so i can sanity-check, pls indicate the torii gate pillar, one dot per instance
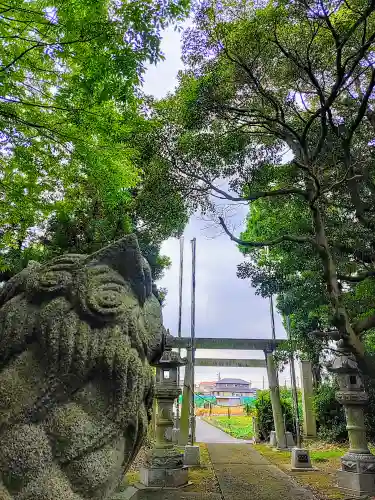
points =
(273, 384)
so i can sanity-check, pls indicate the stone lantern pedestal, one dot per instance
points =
(357, 474)
(165, 463)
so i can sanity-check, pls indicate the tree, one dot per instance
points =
(292, 78)
(292, 272)
(69, 75)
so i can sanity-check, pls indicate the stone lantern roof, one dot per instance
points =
(170, 359)
(344, 361)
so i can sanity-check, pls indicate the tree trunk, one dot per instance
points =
(341, 319)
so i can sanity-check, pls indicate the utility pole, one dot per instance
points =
(272, 314)
(294, 387)
(180, 316)
(193, 263)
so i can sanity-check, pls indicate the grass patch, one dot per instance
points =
(321, 482)
(240, 427)
(203, 478)
(132, 477)
(204, 455)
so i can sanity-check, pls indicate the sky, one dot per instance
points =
(225, 305)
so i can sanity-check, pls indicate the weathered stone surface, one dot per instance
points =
(277, 413)
(300, 459)
(175, 435)
(309, 419)
(230, 363)
(273, 440)
(164, 478)
(289, 440)
(356, 484)
(76, 339)
(192, 455)
(358, 465)
(224, 343)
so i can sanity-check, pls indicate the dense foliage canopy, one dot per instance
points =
(74, 171)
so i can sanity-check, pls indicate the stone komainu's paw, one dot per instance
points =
(76, 338)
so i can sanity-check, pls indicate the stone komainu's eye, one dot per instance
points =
(103, 292)
(54, 277)
(54, 280)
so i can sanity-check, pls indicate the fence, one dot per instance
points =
(217, 411)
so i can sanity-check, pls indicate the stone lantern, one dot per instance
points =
(357, 474)
(165, 464)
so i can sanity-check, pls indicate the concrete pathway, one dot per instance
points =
(206, 433)
(244, 474)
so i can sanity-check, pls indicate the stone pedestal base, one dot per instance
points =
(356, 484)
(165, 458)
(164, 478)
(357, 476)
(273, 440)
(192, 455)
(301, 460)
(164, 469)
(289, 440)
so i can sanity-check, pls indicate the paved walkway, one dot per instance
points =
(206, 433)
(242, 473)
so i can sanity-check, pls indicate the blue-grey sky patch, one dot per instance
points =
(225, 305)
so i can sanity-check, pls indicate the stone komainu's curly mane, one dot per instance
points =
(76, 339)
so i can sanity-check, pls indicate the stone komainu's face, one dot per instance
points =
(76, 339)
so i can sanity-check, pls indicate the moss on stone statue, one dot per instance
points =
(76, 339)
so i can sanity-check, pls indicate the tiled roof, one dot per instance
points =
(231, 381)
(234, 390)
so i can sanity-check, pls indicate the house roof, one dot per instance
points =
(232, 381)
(207, 383)
(235, 389)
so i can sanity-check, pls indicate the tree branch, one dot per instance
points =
(358, 278)
(363, 107)
(228, 196)
(42, 44)
(275, 241)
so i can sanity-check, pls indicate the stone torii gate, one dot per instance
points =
(265, 345)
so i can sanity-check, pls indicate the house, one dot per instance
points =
(206, 387)
(232, 387)
(232, 392)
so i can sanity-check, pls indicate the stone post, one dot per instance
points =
(275, 400)
(183, 437)
(256, 437)
(165, 464)
(309, 420)
(357, 474)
